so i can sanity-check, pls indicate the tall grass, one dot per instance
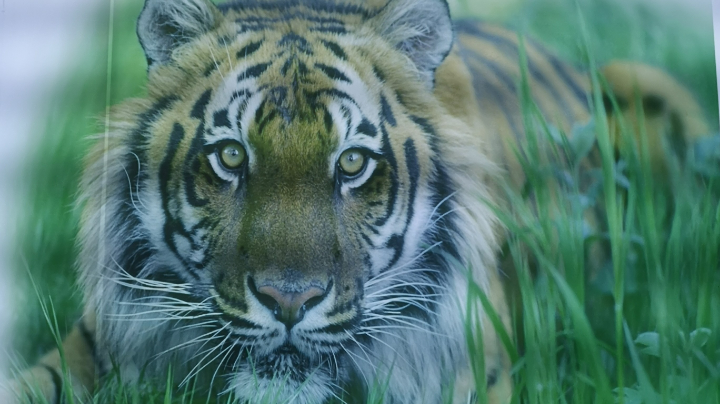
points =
(640, 325)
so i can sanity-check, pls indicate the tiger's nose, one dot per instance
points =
(289, 307)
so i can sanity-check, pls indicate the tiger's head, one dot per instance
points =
(281, 209)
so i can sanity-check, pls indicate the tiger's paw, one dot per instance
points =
(34, 385)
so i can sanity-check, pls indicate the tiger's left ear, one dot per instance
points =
(422, 29)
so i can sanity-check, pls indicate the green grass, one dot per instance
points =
(643, 329)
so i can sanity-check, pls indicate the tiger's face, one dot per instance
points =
(297, 181)
(286, 187)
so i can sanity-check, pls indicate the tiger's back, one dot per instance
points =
(562, 92)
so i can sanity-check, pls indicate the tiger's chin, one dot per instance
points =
(284, 376)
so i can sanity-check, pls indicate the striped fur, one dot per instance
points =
(177, 248)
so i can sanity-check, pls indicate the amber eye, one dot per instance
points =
(232, 156)
(352, 162)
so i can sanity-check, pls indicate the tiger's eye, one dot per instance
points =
(232, 156)
(352, 161)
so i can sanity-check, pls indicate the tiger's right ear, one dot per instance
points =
(421, 29)
(164, 25)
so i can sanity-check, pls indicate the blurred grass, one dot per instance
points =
(48, 225)
(658, 304)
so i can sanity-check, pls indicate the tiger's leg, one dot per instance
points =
(45, 380)
(498, 377)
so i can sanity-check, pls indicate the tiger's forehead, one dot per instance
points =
(293, 102)
(317, 15)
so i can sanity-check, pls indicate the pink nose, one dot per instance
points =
(290, 307)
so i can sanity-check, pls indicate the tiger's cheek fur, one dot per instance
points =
(361, 211)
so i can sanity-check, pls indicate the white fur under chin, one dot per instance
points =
(250, 388)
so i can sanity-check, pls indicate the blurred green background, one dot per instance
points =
(681, 42)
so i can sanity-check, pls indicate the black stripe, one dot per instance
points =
(328, 120)
(426, 127)
(193, 156)
(287, 65)
(138, 138)
(165, 274)
(332, 92)
(297, 41)
(413, 167)
(367, 128)
(89, 339)
(332, 72)
(443, 186)
(561, 68)
(346, 307)
(389, 155)
(366, 238)
(136, 252)
(278, 97)
(492, 377)
(225, 40)
(254, 27)
(445, 223)
(284, 5)
(211, 67)
(510, 48)
(378, 73)
(240, 322)
(331, 29)
(254, 71)
(395, 243)
(212, 241)
(198, 110)
(302, 71)
(480, 84)
(165, 171)
(335, 49)
(262, 122)
(339, 328)
(192, 159)
(57, 381)
(387, 113)
(348, 120)
(288, 16)
(260, 112)
(220, 118)
(239, 93)
(248, 50)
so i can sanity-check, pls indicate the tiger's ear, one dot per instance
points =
(422, 29)
(164, 25)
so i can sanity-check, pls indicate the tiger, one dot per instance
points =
(305, 195)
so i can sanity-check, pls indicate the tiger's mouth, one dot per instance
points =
(285, 362)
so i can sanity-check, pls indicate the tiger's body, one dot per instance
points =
(302, 199)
